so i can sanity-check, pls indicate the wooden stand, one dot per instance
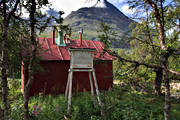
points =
(69, 86)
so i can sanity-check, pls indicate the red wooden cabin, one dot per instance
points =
(56, 63)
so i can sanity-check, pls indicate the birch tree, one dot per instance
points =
(36, 26)
(168, 46)
(158, 8)
(7, 10)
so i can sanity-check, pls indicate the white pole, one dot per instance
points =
(67, 86)
(96, 86)
(70, 92)
(92, 88)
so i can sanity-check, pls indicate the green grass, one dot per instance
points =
(120, 103)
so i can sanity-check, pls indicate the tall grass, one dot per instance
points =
(120, 103)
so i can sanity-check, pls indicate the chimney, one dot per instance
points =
(60, 38)
(80, 36)
(53, 36)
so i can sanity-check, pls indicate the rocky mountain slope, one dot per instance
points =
(89, 19)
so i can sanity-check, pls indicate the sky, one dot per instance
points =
(72, 5)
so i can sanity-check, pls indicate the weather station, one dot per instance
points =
(81, 60)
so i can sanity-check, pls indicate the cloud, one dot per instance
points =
(70, 5)
(117, 1)
(125, 9)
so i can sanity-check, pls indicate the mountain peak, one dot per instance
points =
(101, 4)
(89, 18)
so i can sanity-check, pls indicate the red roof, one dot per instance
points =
(54, 52)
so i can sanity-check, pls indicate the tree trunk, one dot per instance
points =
(6, 107)
(158, 12)
(32, 59)
(26, 100)
(164, 64)
(4, 75)
(1, 114)
(167, 96)
(158, 81)
(6, 16)
(26, 90)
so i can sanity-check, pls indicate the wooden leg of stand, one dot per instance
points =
(92, 88)
(96, 86)
(98, 97)
(67, 86)
(70, 93)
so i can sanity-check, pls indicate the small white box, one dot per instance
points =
(81, 57)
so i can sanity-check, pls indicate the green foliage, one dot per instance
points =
(145, 47)
(138, 77)
(17, 29)
(110, 38)
(120, 103)
(106, 32)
